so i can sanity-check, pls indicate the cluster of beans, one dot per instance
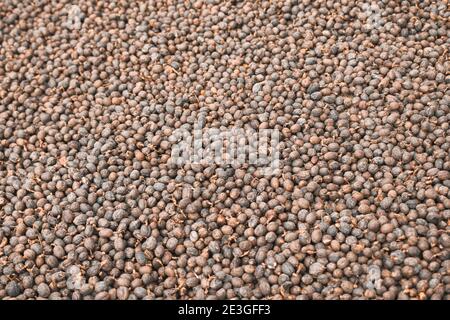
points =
(92, 208)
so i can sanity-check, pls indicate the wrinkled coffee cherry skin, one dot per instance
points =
(92, 94)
